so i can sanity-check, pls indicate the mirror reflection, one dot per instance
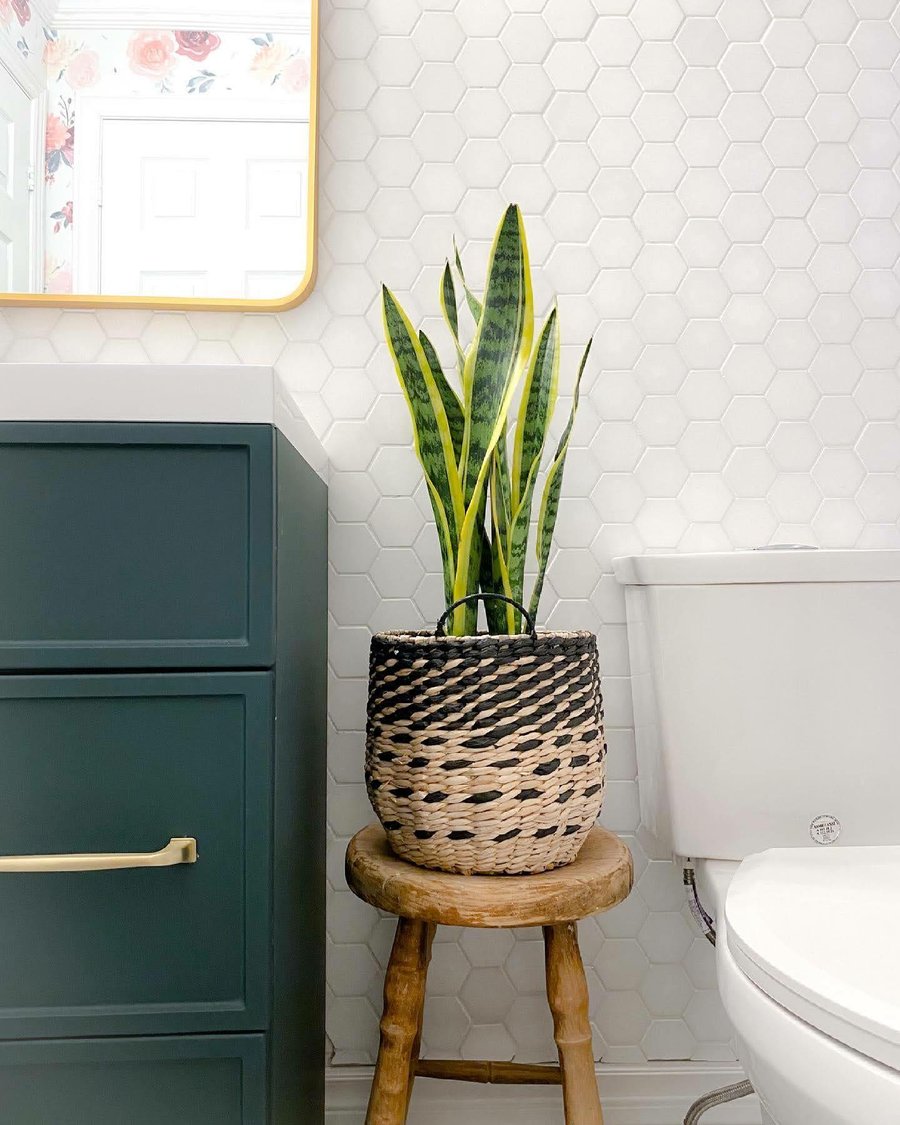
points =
(155, 149)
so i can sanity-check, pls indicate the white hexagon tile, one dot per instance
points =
(712, 188)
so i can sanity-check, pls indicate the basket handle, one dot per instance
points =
(439, 628)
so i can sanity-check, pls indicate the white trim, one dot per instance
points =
(19, 70)
(654, 1094)
(282, 16)
(192, 108)
(38, 217)
(45, 10)
(92, 112)
(13, 62)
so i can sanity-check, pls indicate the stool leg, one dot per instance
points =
(401, 1020)
(567, 994)
(417, 1042)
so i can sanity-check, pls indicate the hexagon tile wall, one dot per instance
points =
(711, 186)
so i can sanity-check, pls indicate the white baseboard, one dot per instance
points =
(656, 1094)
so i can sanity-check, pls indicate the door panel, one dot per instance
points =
(121, 764)
(213, 1080)
(202, 208)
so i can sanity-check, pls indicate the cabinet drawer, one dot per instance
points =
(121, 764)
(135, 545)
(190, 1080)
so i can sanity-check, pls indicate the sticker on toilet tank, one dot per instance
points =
(825, 829)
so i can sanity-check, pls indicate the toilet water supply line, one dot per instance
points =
(703, 920)
(717, 1097)
(708, 928)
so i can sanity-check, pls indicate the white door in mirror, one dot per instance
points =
(15, 188)
(197, 208)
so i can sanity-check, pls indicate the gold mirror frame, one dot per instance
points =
(219, 304)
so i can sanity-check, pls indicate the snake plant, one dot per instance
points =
(481, 498)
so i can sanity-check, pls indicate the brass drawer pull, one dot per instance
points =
(181, 849)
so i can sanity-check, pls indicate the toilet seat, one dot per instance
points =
(802, 1076)
(816, 930)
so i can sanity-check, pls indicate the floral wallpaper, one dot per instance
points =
(155, 63)
(23, 32)
(15, 16)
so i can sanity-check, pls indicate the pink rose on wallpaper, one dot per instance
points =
(59, 278)
(270, 60)
(295, 76)
(57, 133)
(60, 143)
(197, 45)
(84, 70)
(57, 52)
(152, 53)
(22, 8)
(64, 217)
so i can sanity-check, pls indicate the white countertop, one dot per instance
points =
(97, 392)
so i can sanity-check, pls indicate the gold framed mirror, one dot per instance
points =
(145, 164)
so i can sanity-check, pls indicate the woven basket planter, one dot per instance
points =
(485, 754)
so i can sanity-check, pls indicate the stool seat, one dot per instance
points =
(599, 877)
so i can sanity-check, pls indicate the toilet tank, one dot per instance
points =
(766, 689)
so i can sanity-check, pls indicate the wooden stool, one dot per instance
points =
(600, 877)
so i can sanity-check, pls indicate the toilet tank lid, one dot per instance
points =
(775, 564)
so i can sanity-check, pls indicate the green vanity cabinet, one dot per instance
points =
(162, 678)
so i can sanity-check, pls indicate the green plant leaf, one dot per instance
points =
(536, 409)
(432, 437)
(453, 407)
(499, 562)
(445, 541)
(552, 490)
(496, 619)
(489, 581)
(471, 300)
(471, 529)
(494, 367)
(482, 501)
(535, 412)
(500, 486)
(451, 313)
(470, 612)
(448, 300)
(492, 564)
(502, 339)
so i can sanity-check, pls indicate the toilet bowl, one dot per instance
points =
(766, 715)
(809, 977)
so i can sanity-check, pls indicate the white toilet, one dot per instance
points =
(766, 692)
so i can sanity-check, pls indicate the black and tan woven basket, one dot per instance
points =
(485, 753)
